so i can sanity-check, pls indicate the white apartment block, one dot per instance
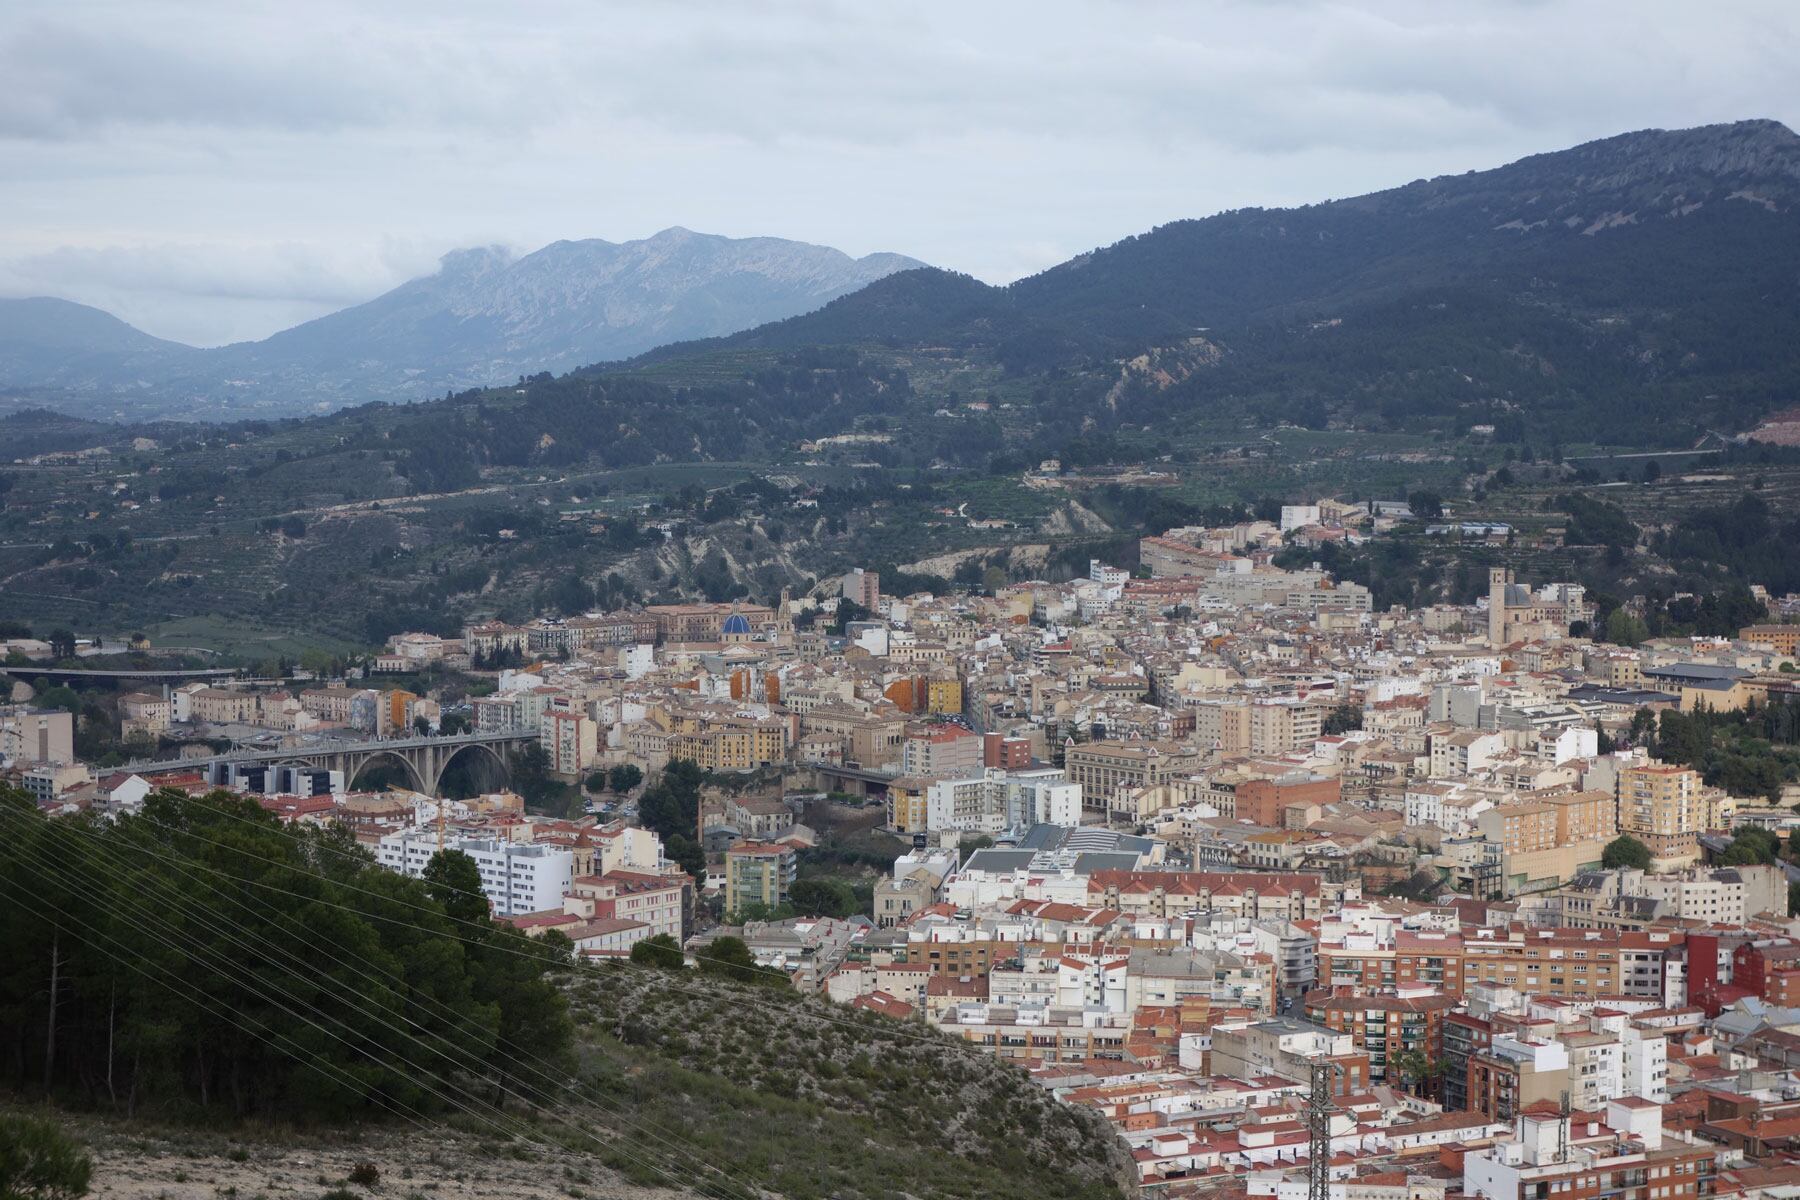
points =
(517, 879)
(1464, 752)
(998, 799)
(570, 739)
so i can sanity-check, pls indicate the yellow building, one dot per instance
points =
(1785, 639)
(729, 744)
(944, 696)
(399, 703)
(906, 800)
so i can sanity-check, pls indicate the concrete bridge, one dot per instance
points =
(424, 759)
(120, 674)
(855, 780)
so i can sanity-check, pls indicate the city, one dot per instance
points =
(1171, 839)
(837, 601)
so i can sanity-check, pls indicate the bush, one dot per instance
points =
(1625, 851)
(38, 1161)
(659, 951)
(365, 1174)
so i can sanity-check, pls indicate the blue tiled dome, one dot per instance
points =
(736, 623)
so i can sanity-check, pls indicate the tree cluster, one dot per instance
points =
(670, 807)
(200, 958)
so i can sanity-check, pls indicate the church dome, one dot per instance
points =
(736, 623)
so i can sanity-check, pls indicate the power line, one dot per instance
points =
(883, 1030)
(545, 1071)
(200, 1000)
(209, 957)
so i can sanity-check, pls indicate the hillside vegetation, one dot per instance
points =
(200, 967)
(1631, 294)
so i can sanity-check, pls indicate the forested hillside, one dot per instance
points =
(201, 965)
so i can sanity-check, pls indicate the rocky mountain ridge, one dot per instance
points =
(484, 317)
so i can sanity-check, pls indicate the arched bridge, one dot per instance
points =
(423, 758)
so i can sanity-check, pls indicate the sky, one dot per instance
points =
(214, 172)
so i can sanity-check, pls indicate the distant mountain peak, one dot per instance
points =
(1760, 147)
(473, 260)
(486, 315)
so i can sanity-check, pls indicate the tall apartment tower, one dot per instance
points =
(1498, 579)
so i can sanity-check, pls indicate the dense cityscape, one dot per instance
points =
(843, 601)
(1211, 847)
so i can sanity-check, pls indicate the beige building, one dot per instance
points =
(571, 739)
(222, 706)
(871, 740)
(729, 743)
(30, 736)
(1662, 806)
(144, 712)
(1107, 771)
(1222, 724)
(1278, 726)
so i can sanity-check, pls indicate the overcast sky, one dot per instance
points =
(214, 172)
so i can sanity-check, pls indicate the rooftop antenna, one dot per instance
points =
(1318, 1126)
(1562, 1130)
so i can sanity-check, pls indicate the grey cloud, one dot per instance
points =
(212, 167)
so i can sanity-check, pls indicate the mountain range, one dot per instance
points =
(1643, 286)
(1655, 271)
(485, 317)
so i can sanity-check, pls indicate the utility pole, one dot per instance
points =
(50, 1033)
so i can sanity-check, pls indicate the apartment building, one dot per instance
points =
(941, 750)
(36, 736)
(861, 587)
(1293, 896)
(571, 739)
(221, 706)
(730, 743)
(1463, 752)
(1661, 806)
(1286, 1046)
(1783, 639)
(517, 878)
(993, 800)
(758, 873)
(1280, 726)
(1036, 1034)
(1107, 771)
(1222, 724)
(1628, 899)
(1385, 1025)
(1624, 1153)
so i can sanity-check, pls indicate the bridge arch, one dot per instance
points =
(363, 761)
(484, 766)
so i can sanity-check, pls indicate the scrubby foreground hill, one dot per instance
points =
(809, 1099)
(199, 966)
